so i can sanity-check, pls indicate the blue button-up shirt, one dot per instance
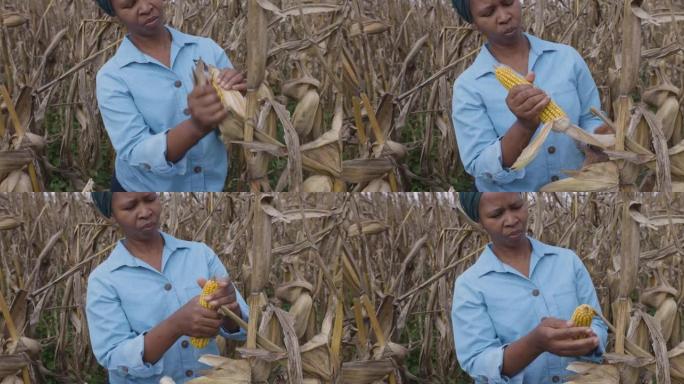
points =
(495, 305)
(127, 298)
(141, 99)
(481, 117)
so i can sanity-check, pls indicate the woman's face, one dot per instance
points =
(140, 17)
(504, 216)
(137, 213)
(499, 20)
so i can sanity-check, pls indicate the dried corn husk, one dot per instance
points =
(16, 181)
(365, 170)
(530, 152)
(304, 116)
(13, 19)
(370, 27)
(224, 371)
(12, 380)
(317, 183)
(667, 115)
(301, 311)
(593, 178)
(368, 227)
(390, 148)
(366, 372)
(378, 185)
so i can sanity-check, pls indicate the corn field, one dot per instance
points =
(351, 288)
(345, 95)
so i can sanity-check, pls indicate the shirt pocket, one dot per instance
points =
(565, 300)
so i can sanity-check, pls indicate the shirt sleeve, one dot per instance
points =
(132, 139)
(115, 345)
(480, 353)
(222, 60)
(217, 269)
(586, 294)
(588, 95)
(478, 142)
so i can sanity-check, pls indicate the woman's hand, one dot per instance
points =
(232, 80)
(206, 109)
(194, 320)
(558, 337)
(225, 295)
(527, 102)
(593, 154)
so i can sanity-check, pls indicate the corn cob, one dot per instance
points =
(509, 79)
(209, 287)
(583, 315)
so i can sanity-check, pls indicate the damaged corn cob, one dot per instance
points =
(583, 315)
(209, 287)
(509, 79)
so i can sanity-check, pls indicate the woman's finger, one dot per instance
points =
(239, 87)
(234, 80)
(539, 108)
(529, 105)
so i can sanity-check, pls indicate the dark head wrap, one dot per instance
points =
(470, 201)
(103, 202)
(463, 9)
(106, 6)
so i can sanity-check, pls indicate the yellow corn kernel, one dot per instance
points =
(209, 287)
(583, 315)
(509, 79)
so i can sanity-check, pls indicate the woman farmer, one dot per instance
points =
(493, 125)
(142, 301)
(162, 129)
(511, 309)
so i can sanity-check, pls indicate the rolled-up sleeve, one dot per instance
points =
(115, 345)
(588, 94)
(480, 353)
(221, 58)
(587, 295)
(478, 143)
(218, 270)
(132, 139)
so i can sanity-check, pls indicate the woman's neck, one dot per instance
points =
(157, 45)
(517, 255)
(146, 249)
(515, 54)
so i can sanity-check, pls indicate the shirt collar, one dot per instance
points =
(121, 257)
(488, 262)
(128, 53)
(484, 62)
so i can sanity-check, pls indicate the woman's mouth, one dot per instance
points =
(151, 21)
(510, 32)
(149, 226)
(516, 234)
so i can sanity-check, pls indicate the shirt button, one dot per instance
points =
(198, 169)
(167, 286)
(535, 292)
(177, 84)
(186, 111)
(555, 178)
(147, 166)
(552, 149)
(188, 373)
(123, 370)
(555, 379)
(185, 344)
